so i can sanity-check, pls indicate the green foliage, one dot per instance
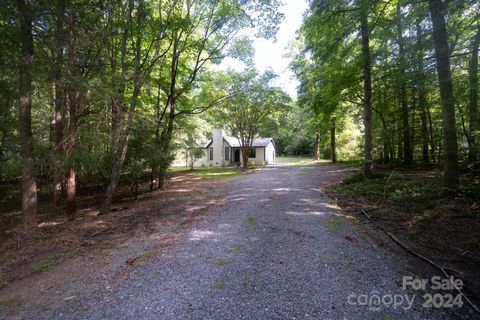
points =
(108, 66)
(40, 267)
(328, 62)
(394, 187)
(249, 104)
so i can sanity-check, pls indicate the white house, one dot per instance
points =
(224, 150)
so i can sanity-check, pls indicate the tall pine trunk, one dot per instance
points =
(332, 141)
(423, 121)
(407, 147)
(166, 141)
(442, 57)
(422, 94)
(59, 105)
(29, 184)
(71, 149)
(473, 119)
(367, 86)
(73, 97)
(317, 146)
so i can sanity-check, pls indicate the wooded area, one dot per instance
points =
(98, 93)
(408, 70)
(102, 93)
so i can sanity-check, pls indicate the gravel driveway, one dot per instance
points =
(276, 249)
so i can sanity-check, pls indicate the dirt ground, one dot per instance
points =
(410, 204)
(93, 246)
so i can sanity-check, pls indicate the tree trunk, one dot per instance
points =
(423, 120)
(450, 148)
(158, 122)
(119, 159)
(165, 142)
(245, 158)
(71, 193)
(122, 148)
(400, 152)
(71, 148)
(29, 184)
(473, 119)
(73, 97)
(422, 94)
(59, 104)
(367, 87)
(422, 97)
(332, 141)
(317, 147)
(407, 148)
(432, 137)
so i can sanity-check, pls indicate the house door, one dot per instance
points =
(237, 155)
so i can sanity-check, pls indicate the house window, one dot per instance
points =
(252, 153)
(227, 154)
(211, 153)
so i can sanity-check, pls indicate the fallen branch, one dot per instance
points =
(460, 260)
(422, 257)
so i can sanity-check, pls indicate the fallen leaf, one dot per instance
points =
(350, 238)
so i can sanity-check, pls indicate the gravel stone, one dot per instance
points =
(277, 248)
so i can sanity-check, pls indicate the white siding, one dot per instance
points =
(203, 161)
(259, 156)
(217, 144)
(262, 154)
(270, 153)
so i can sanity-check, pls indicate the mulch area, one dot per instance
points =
(442, 227)
(56, 240)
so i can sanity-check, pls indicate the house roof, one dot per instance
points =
(204, 144)
(233, 142)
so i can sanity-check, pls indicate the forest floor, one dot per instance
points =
(25, 255)
(411, 204)
(270, 243)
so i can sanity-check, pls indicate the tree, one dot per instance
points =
(59, 102)
(474, 119)
(143, 62)
(251, 100)
(442, 57)
(367, 85)
(407, 148)
(29, 184)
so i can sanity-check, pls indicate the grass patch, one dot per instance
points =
(334, 223)
(351, 163)
(223, 262)
(246, 281)
(220, 285)
(394, 187)
(40, 267)
(293, 159)
(147, 255)
(207, 172)
(251, 222)
(235, 249)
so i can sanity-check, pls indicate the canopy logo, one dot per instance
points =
(441, 299)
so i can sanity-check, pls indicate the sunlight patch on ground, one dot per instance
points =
(197, 235)
(286, 189)
(181, 190)
(345, 216)
(49, 224)
(305, 213)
